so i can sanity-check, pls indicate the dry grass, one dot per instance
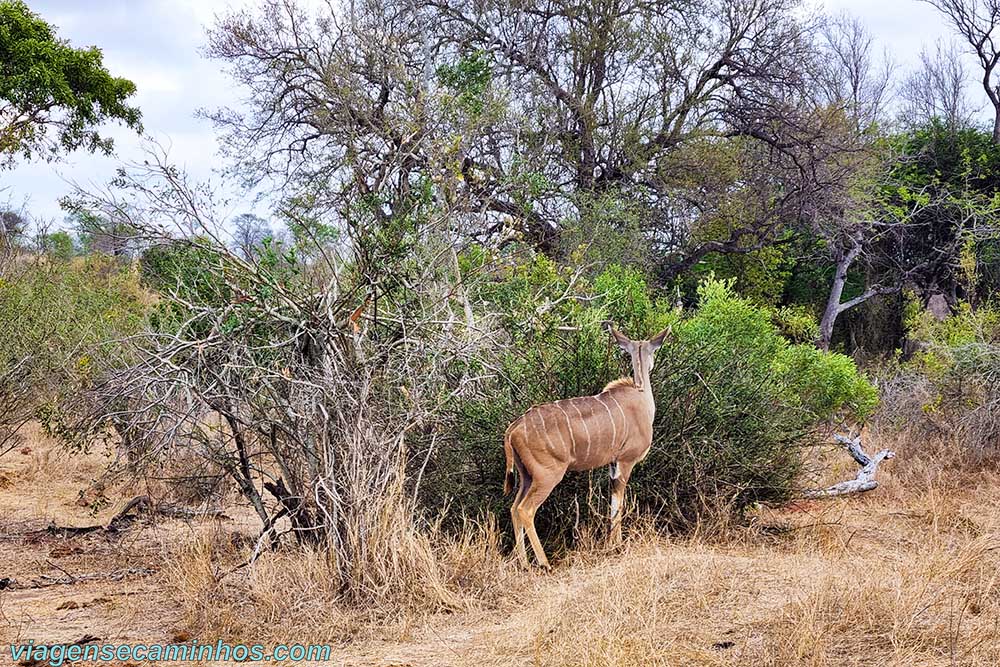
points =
(40, 481)
(906, 575)
(936, 605)
(292, 594)
(824, 596)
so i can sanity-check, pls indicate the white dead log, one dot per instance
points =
(865, 481)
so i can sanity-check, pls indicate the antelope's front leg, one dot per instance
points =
(620, 473)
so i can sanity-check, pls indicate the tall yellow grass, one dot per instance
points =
(906, 575)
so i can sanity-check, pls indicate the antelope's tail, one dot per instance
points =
(508, 450)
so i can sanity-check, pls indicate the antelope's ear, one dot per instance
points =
(658, 340)
(624, 342)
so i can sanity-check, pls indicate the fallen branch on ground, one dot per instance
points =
(865, 481)
(46, 580)
(130, 513)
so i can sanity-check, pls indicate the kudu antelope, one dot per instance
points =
(613, 428)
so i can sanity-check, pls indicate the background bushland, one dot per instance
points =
(463, 193)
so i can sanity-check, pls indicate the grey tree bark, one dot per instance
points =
(865, 481)
(834, 307)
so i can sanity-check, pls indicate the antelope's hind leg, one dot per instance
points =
(541, 487)
(523, 483)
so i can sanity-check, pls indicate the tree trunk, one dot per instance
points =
(996, 125)
(240, 470)
(830, 314)
(833, 305)
(832, 309)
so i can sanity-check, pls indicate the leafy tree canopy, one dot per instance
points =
(53, 96)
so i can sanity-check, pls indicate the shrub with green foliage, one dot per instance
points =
(736, 400)
(183, 268)
(190, 270)
(58, 245)
(58, 326)
(959, 170)
(952, 383)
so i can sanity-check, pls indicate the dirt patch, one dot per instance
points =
(57, 588)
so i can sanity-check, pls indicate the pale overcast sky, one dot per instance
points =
(156, 43)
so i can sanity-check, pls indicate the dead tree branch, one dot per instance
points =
(865, 481)
(130, 513)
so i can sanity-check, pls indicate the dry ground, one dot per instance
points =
(906, 575)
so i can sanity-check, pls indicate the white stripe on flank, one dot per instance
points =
(562, 439)
(585, 427)
(569, 426)
(614, 428)
(545, 432)
(624, 418)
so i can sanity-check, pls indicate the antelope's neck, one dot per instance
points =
(648, 400)
(644, 401)
(647, 395)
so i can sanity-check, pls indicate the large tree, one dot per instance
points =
(975, 22)
(54, 97)
(687, 129)
(533, 116)
(876, 230)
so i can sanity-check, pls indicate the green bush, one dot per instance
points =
(193, 272)
(952, 383)
(59, 322)
(736, 400)
(58, 245)
(735, 403)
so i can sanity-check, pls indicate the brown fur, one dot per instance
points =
(620, 382)
(613, 428)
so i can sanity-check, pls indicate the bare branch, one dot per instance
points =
(865, 480)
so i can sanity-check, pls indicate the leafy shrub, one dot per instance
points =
(956, 375)
(736, 399)
(192, 272)
(735, 402)
(797, 323)
(58, 245)
(58, 325)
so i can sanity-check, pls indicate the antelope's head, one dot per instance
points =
(641, 352)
